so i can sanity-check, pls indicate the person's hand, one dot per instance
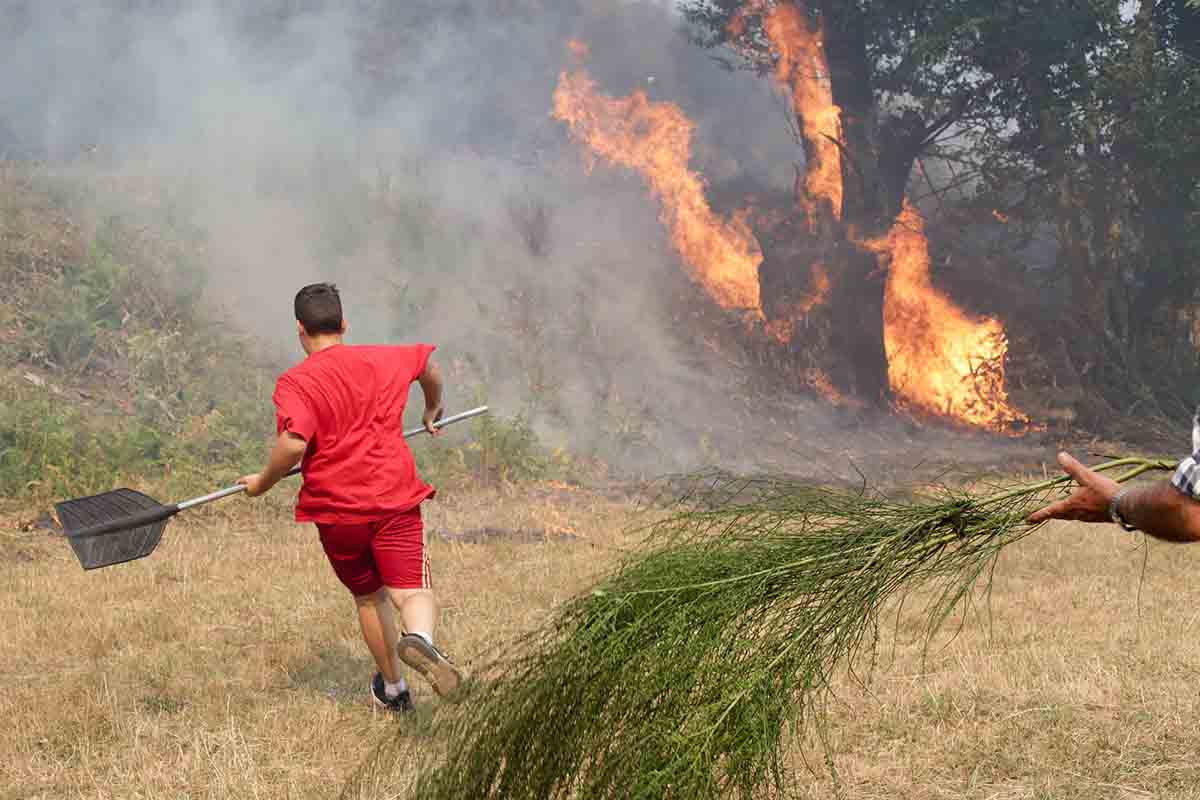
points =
(1088, 503)
(431, 417)
(255, 485)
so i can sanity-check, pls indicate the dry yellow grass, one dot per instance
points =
(228, 663)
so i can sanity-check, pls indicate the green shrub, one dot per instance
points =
(175, 399)
(494, 450)
(67, 321)
(49, 448)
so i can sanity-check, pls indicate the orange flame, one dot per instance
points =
(654, 138)
(802, 67)
(820, 382)
(939, 359)
(781, 329)
(820, 292)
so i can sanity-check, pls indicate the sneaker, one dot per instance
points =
(432, 663)
(401, 703)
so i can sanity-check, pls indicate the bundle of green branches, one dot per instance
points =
(680, 675)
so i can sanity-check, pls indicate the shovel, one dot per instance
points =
(124, 525)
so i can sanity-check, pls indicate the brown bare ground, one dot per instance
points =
(228, 663)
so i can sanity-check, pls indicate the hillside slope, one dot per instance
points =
(113, 364)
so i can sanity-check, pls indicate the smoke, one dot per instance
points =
(405, 151)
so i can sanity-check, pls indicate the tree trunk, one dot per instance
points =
(847, 329)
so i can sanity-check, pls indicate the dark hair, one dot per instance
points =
(319, 309)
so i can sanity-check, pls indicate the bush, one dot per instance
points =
(72, 315)
(49, 448)
(174, 398)
(494, 451)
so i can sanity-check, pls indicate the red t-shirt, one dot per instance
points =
(347, 402)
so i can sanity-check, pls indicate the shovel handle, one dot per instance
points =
(231, 490)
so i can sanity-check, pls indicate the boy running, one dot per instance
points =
(340, 410)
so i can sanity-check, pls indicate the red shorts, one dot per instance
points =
(387, 552)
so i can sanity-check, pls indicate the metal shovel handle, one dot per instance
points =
(231, 490)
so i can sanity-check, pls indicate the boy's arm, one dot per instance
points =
(431, 386)
(287, 452)
(296, 426)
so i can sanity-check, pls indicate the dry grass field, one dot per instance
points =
(228, 664)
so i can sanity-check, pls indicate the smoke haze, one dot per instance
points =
(406, 151)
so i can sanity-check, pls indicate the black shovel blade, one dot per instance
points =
(113, 527)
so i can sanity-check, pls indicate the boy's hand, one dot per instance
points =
(431, 387)
(255, 485)
(430, 419)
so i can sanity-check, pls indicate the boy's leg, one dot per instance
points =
(417, 608)
(348, 548)
(416, 648)
(399, 547)
(379, 632)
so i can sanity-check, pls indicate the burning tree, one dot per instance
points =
(849, 258)
(1074, 117)
(833, 59)
(1077, 130)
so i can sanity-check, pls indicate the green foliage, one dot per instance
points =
(70, 318)
(507, 450)
(680, 675)
(494, 450)
(140, 382)
(49, 448)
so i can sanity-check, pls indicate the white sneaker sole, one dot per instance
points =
(443, 676)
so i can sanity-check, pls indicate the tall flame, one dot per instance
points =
(802, 67)
(939, 359)
(654, 138)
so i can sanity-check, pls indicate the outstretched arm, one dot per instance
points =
(431, 386)
(287, 452)
(1163, 511)
(1160, 509)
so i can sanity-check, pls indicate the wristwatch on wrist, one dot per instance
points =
(1114, 511)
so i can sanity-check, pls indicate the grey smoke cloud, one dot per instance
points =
(406, 151)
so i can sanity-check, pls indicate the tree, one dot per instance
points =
(1097, 130)
(1078, 115)
(899, 89)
